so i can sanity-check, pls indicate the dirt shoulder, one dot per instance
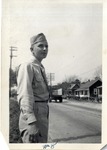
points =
(87, 104)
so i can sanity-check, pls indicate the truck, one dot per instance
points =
(56, 95)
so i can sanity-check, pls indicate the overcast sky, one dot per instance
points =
(73, 31)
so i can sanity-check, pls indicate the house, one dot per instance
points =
(89, 89)
(72, 88)
(99, 92)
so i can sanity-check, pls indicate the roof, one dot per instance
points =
(72, 86)
(88, 84)
(99, 86)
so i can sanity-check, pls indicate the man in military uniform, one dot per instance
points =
(33, 94)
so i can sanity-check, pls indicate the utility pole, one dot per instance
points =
(12, 48)
(51, 77)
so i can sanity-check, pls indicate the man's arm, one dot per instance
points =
(25, 92)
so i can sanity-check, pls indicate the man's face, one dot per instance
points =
(40, 50)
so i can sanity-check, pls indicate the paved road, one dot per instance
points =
(73, 122)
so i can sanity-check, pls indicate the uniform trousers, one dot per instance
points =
(41, 111)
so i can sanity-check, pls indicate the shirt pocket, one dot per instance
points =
(39, 85)
(39, 79)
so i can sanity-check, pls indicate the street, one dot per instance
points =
(75, 122)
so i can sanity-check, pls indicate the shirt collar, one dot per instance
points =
(36, 61)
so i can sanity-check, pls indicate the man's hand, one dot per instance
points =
(33, 133)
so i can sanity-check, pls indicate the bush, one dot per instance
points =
(13, 93)
(14, 134)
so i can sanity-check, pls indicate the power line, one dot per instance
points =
(77, 61)
(89, 70)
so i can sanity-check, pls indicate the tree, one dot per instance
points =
(72, 79)
(12, 77)
(68, 81)
(77, 81)
(98, 72)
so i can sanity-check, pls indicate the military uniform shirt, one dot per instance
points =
(32, 86)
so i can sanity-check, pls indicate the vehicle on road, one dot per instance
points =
(56, 95)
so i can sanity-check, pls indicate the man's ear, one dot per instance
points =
(31, 49)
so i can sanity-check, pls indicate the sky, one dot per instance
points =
(73, 31)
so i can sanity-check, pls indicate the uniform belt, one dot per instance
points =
(42, 101)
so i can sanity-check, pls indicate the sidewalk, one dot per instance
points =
(87, 105)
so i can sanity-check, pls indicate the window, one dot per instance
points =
(95, 91)
(100, 91)
(81, 92)
(85, 92)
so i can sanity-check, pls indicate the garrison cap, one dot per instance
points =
(38, 38)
